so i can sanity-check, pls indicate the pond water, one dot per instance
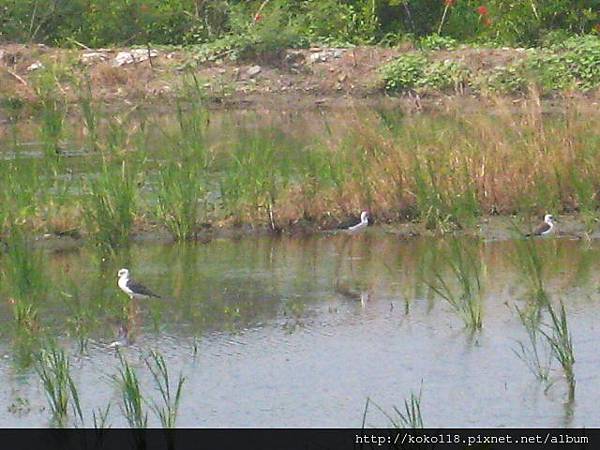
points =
(270, 332)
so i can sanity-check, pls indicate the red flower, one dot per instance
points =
(449, 2)
(482, 11)
(258, 17)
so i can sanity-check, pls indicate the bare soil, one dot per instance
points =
(296, 78)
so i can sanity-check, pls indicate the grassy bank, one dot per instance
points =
(444, 169)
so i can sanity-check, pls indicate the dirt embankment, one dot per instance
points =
(321, 76)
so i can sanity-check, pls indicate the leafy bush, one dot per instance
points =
(414, 71)
(437, 42)
(404, 72)
(582, 57)
(573, 63)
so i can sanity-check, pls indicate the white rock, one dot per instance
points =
(35, 66)
(87, 58)
(253, 71)
(133, 56)
(317, 57)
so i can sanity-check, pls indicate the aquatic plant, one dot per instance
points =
(534, 354)
(559, 338)
(529, 263)
(445, 170)
(110, 204)
(167, 413)
(131, 396)
(465, 271)
(88, 112)
(54, 370)
(23, 279)
(100, 417)
(178, 194)
(255, 176)
(410, 417)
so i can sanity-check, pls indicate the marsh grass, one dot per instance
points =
(52, 110)
(23, 279)
(179, 190)
(455, 276)
(445, 169)
(54, 370)
(110, 205)
(100, 417)
(81, 317)
(131, 396)
(89, 112)
(169, 395)
(256, 174)
(555, 333)
(408, 418)
(529, 263)
(559, 338)
(535, 353)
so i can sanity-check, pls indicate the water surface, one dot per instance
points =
(270, 332)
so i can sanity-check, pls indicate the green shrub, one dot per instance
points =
(582, 57)
(414, 71)
(404, 72)
(437, 42)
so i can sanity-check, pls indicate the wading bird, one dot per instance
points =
(545, 228)
(135, 290)
(364, 222)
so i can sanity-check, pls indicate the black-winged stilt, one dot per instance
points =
(135, 290)
(364, 222)
(545, 228)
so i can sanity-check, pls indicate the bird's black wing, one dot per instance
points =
(138, 288)
(351, 221)
(541, 229)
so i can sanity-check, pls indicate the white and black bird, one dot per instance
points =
(364, 223)
(132, 288)
(544, 228)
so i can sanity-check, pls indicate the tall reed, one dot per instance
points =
(409, 417)
(464, 289)
(167, 412)
(110, 204)
(534, 353)
(23, 279)
(256, 174)
(53, 110)
(88, 112)
(178, 193)
(54, 370)
(560, 341)
(530, 264)
(131, 395)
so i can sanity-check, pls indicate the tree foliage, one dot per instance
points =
(125, 22)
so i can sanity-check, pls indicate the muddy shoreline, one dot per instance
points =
(489, 229)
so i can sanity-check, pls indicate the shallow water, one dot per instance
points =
(265, 338)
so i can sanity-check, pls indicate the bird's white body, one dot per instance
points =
(548, 220)
(364, 222)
